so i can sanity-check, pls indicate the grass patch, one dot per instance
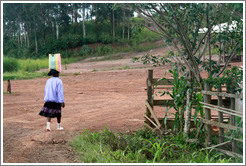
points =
(94, 70)
(143, 146)
(21, 75)
(76, 73)
(31, 65)
(123, 68)
(25, 68)
(6, 93)
(105, 58)
(73, 59)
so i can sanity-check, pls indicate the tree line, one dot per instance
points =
(33, 26)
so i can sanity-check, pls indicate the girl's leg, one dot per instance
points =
(59, 124)
(58, 119)
(48, 124)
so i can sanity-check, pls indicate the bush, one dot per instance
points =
(106, 49)
(106, 38)
(10, 64)
(85, 50)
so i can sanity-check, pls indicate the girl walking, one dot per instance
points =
(54, 99)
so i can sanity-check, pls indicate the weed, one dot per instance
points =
(143, 146)
(75, 74)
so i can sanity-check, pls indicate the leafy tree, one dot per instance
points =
(180, 26)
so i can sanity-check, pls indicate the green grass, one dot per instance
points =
(25, 68)
(122, 68)
(105, 58)
(30, 65)
(6, 93)
(143, 146)
(20, 75)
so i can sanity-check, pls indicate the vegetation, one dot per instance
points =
(143, 146)
(32, 31)
(189, 28)
(36, 30)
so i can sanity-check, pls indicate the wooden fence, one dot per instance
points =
(232, 111)
(224, 107)
(150, 102)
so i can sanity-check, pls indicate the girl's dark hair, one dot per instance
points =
(53, 72)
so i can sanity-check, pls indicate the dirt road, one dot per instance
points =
(94, 98)
(96, 95)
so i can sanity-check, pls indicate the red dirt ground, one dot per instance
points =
(94, 99)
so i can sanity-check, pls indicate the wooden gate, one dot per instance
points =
(219, 104)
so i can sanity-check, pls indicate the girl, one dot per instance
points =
(54, 99)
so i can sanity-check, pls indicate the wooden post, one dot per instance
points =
(233, 121)
(9, 86)
(221, 130)
(149, 91)
(207, 99)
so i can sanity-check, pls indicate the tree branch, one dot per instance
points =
(229, 60)
(229, 9)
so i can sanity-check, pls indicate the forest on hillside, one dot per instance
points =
(35, 30)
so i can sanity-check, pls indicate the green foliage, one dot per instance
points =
(10, 64)
(151, 59)
(85, 51)
(20, 75)
(180, 87)
(143, 146)
(141, 35)
(232, 78)
(31, 65)
(46, 36)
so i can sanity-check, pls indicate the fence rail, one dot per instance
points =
(225, 107)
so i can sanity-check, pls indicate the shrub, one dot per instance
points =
(106, 49)
(85, 50)
(106, 38)
(10, 64)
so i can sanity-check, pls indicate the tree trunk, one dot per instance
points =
(36, 42)
(124, 22)
(75, 19)
(188, 109)
(43, 19)
(25, 37)
(96, 28)
(83, 22)
(207, 99)
(209, 44)
(113, 23)
(57, 31)
(19, 38)
(28, 42)
(128, 31)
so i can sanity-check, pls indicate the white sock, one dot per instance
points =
(58, 125)
(48, 124)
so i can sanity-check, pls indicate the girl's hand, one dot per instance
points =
(63, 105)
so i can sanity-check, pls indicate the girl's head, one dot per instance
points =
(53, 72)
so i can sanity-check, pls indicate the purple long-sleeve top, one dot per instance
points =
(54, 90)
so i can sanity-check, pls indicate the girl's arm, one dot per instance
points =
(60, 92)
